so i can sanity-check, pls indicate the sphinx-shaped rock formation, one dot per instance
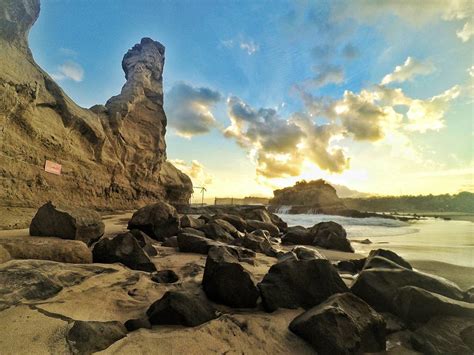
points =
(112, 156)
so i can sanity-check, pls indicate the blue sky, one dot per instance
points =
(269, 54)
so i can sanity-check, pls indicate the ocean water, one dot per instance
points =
(428, 239)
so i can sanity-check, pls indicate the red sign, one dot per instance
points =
(52, 167)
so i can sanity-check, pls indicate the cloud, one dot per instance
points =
(280, 147)
(350, 52)
(69, 70)
(189, 109)
(327, 74)
(250, 47)
(408, 70)
(466, 32)
(195, 170)
(471, 71)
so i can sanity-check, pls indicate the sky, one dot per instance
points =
(373, 95)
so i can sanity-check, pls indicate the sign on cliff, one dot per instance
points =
(52, 167)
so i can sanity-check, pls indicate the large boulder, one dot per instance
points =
(386, 254)
(445, 335)
(159, 220)
(343, 324)
(417, 305)
(145, 242)
(253, 225)
(228, 227)
(226, 281)
(263, 215)
(54, 249)
(293, 283)
(67, 223)
(87, 337)
(191, 243)
(125, 249)
(330, 235)
(188, 221)
(215, 231)
(297, 235)
(181, 308)
(257, 242)
(378, 286)
(238, 222)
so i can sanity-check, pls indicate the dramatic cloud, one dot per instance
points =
(69, 70)
(408, 71)
(280, 147)
(189, 109)
(196, 171)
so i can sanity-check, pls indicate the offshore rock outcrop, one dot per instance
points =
(112, 155)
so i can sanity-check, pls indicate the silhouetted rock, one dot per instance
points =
(171, 242)
(181, 308)
(123, 248)
(330, 235)
(379, 262)
(137, 323)
(191, 222)
(164, 276)
(191, 243)
(226, 281)
(417, 305)
(378, 286)
(189, 230)
(304, 253)
(297, 235)
(390, 255)
(67, 223)
(227, 226)
(351, 266)
(144, 241)
(159, 220)
(343, 324)
(87, 337)
(257, 242)
(237, 221)
(214, 231)
(253, 225)
(293, 283)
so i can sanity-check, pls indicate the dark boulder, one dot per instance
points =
(214, 231)
(225, 280)
(144, 241)
(181, 308)
(263, 215)
(390, 255)
(123, 248)
(87, 337)
(293, 283)
(171, 242)
(304, 253)
(253, 225)
(191, 222)
(330, 235)
(256, 242)
(67, 223)
(189, 230)
(237, 221)
(190, 243)
(343, 324)
(159, 220)
(417, 305)
(351, 266)
(379, 262)
(469, 295)
(137, 323)
(228, 227)
(164, 276)
(378, 286)
(444, 335)
(297, 235)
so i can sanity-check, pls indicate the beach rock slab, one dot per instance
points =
(417, 305)
(87, 337)
(378, 286)
(181, 308)
(67, 223)
(125, 249)
(293, 283)
(343, 324)
(225, 281)
(159, 220)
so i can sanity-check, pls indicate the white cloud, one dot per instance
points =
(408, 70)
(471, 71)
(466, 32)
(327, 74)
(249, 46)
(69, 70)
(189, 109)
(195, 170)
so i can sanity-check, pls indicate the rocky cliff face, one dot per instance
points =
(315, 195)
(112, 156)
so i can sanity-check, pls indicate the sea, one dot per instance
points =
(425, 239)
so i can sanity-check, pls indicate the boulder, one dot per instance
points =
(144, 241)
(253, 225)
(237, 221)
(87, 337)
(262, 214)
(67, 223)
(189, 230)
(257, 243)
(293, 283)
(164, 276)
(225, 281)
(378, 286)
(469, 295)
(351, 266)
(181, 308)
(191, 222)
(297, 235)
(228, 227)
(343, 324)
(137, 323)
(444, 335)
(379, 262)
(330, 235)
(159, 220)
(390, 255)
(54, 249)
(417, 305)
(171, 242)
(304, 253)
(190, 243)
(214, 231)
(123, 248)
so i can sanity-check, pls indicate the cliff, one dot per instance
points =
(112, 155)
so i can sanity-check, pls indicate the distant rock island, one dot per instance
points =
(110, 156)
